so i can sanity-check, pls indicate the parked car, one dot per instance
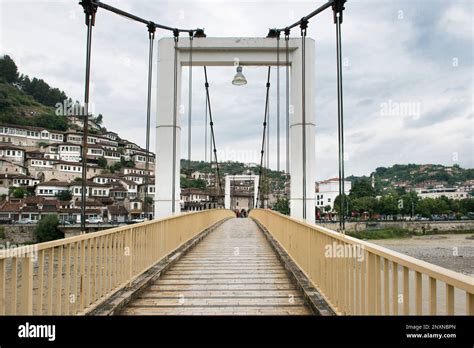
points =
(26, 221)
(137, 220)
(95, 220)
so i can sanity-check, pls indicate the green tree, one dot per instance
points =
(115, 167)
(194, 183)
(347, 204)
(441, 206)
(99, 119)
(64, 195)
(425, 207)
(365, 205)
(409, 201)
(388, 205)
(51, 121)
(41, 91)
(18, 192)
(102, 162)
(8, 69)
(362, 188)
(467, 205)
(47, 229)
(282, 205)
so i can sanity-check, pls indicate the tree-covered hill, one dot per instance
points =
(411, 175)
(28, 102)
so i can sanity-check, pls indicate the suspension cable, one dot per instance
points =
(287, 99)
(278, 101)
(205, 133)
(304, 26)
(175, 118)
(312, 14)
(151, 37)
(136, 18)
(338, 8)
(262, 151)
(213, 136)
(190, 102)
(267, 153)
(90, 11)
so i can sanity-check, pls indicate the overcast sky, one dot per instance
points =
(412, 53)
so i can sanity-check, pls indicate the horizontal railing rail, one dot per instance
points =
(361, 278)
(73, 275)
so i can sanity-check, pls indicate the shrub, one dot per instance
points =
(47, 229)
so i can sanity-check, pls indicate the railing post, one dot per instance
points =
(418, 293)
(130, 263)
(469, 303)
(449, 299)
(2, 286)
(433, 298)
(406, 290)
(26, 286)
(395, 288)
(371, 277)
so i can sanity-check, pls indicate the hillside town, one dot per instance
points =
(41, 173)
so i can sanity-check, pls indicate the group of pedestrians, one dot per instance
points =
(241, 214)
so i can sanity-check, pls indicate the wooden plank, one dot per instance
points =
(194, 285)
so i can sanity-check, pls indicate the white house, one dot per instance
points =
(28, 136)
(449, 192)
(105, 179)
(92, 190)
(69, 152)
(95, 151)
(25, 181)
(328, 190)
(12, 153)
(140, 171)
(130, 186)
(51, 188)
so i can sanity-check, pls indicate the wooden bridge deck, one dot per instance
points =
(233, 271)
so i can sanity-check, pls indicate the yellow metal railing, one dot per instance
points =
(73, 275)
(358, 277)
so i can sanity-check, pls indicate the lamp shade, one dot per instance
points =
(239, 78)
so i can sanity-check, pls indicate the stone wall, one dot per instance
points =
(415, 226)
(19, 234)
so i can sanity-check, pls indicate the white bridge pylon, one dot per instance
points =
(224, 52)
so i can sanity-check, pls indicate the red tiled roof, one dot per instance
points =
(117, 210)
(54, 183)
(33, 199)
(10, 207)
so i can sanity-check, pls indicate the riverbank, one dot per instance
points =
(390, 233)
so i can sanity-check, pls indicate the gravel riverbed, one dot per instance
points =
(452, 251)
